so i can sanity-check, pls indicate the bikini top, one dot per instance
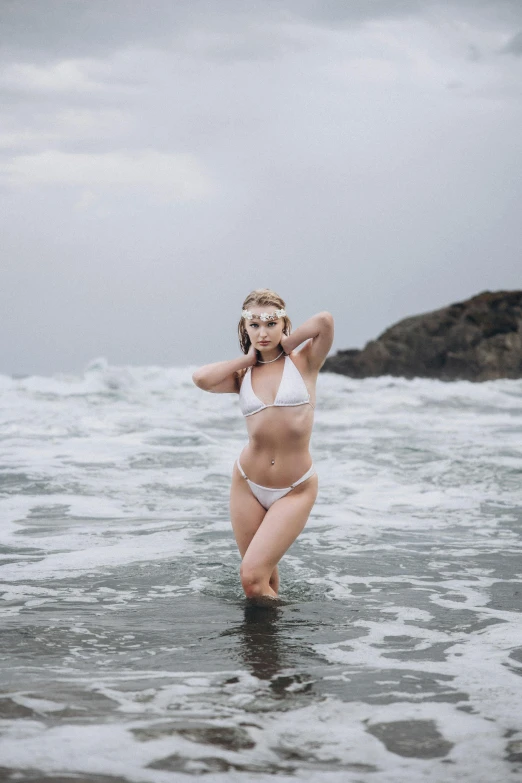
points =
(292, 391)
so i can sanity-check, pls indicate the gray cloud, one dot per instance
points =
(154, 167)
(74, 28)
(514, 46)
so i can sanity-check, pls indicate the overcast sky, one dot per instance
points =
(159, 160)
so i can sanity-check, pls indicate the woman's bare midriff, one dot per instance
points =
(277, 453)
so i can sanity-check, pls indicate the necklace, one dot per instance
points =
(271, 360)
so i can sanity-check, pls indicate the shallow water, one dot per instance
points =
(128, 652)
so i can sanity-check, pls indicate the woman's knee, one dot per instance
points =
(254, 579)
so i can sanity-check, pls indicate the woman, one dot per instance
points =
(274, 484)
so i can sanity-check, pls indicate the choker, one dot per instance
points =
(271, 360)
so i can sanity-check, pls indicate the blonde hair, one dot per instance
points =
(264, 297)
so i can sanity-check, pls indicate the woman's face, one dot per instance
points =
(264, 335)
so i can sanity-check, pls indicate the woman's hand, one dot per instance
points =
(251, 356)
(317, 332)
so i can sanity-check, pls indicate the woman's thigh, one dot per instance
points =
(281, 525)
(246, 512)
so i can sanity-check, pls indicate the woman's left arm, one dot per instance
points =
(319, 330)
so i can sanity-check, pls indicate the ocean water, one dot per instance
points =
(128, 652)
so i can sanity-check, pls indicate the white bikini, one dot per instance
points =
(292, 392)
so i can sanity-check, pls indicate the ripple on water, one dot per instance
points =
(128, 651)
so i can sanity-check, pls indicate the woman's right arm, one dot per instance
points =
(223, 376)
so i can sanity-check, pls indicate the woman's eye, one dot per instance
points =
(272, 323)
(253, 324)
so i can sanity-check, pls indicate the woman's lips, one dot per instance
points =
(265, 343)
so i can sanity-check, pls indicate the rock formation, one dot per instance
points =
(476, 340)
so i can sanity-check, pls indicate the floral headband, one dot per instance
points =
(248, 315)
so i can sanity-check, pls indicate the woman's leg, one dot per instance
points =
(246, 514)
(280, 527)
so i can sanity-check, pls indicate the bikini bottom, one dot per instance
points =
(269, 495)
